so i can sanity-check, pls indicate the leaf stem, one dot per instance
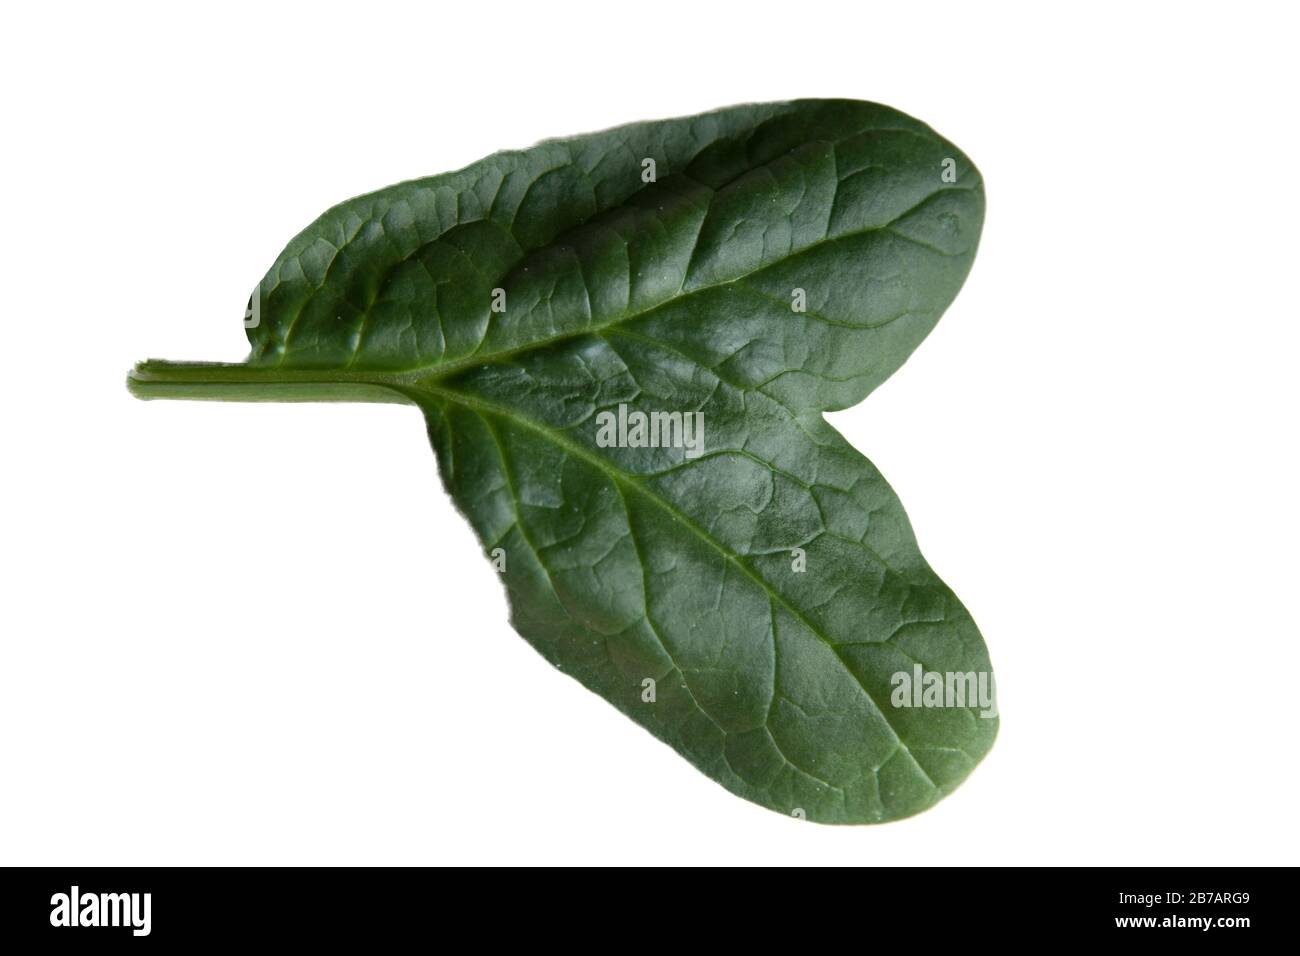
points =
(224, 382)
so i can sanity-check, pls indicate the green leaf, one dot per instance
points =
(749, 598)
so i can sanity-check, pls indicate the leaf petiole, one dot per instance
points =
(225, 382)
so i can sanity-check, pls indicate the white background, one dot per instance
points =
(261, 634)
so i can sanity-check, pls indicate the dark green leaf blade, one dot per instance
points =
(750, 605)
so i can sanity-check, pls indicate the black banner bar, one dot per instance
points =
(135, 907)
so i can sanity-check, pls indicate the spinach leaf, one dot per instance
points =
(623, 344)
